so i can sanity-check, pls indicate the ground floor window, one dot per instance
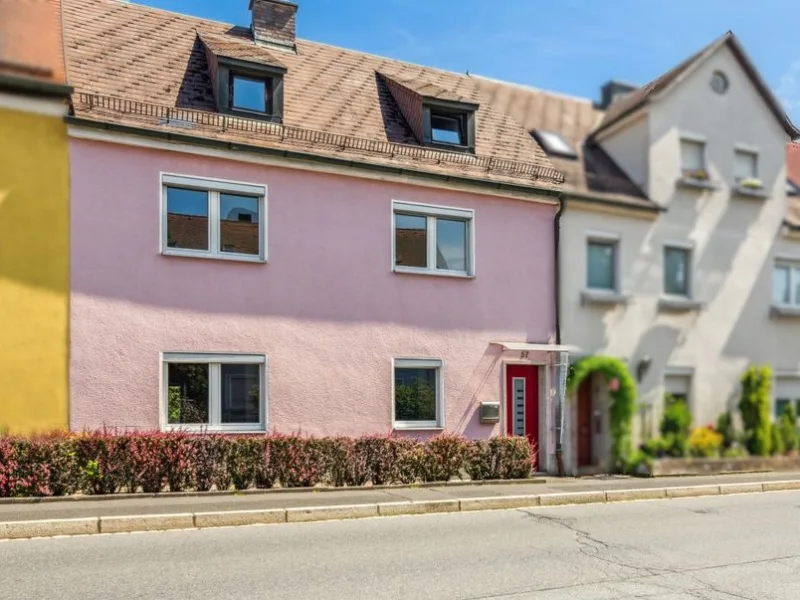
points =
(214, 392)
(418, 402)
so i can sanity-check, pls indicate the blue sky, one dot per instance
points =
(569, 46)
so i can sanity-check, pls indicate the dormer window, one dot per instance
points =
(449, 125)
(249, 94)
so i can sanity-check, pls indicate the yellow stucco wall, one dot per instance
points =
(34, 272)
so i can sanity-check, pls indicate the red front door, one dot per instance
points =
(522, 401)
(585, 423)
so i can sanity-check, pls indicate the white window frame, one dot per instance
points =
(608, 239)
(688, 248)
(694, 139)
(740, 149)
(420, 363)
(214, 187)
(794, 273)
(433, 211)
(214, 360)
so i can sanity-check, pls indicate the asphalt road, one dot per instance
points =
(728, 547)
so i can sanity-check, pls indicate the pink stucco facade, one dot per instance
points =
(326, 308)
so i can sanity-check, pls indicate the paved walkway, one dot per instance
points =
(167, 504)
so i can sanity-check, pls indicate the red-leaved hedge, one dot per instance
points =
(105, 462)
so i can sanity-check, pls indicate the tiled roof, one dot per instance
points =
(239, 45)
(30, 40)
(594, 174)
(638, 98)
(143, 55)
(793, 173)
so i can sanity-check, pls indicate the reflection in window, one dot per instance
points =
(600, 265)
(240, 395)
(248, 94)
(415, 394)
(187, 219)
(451, 244)
(446, 130)
(239, 222)
(411, 240)
(187, 394)
(781, 285)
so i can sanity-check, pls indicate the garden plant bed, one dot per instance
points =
(665, 467)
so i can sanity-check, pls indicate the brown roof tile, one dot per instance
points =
(30, 40)
(238, 44)
(125, 51)
(593, 174)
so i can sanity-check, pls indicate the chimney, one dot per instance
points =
(274, 22)
(613, 90)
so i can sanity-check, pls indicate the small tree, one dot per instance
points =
(788, 428)
(754, 406)
(776, 439)
(726, 429)
(675, 424)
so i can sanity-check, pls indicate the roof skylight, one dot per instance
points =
(554, 144)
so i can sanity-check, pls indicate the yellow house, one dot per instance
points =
(34, 219)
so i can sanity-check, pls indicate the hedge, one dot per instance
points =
(105, 462)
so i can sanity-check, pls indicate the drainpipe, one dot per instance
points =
(557, 295)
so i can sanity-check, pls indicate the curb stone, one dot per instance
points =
(127, 524)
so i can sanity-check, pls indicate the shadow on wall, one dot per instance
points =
(658, 343)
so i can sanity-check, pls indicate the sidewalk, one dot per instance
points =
(366, 497)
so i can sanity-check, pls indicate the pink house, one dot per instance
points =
(270, 233)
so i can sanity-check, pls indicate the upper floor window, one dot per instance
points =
(746, 164)
(786, 285)
(601, 262)
(213, 219)
(432, 239)
(250, 94)
(676, 271)
(693, 158)
(449, 125)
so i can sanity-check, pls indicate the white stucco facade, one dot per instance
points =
(733, 242)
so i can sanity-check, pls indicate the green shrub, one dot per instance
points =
(754, 407)
(776, 440)
(788, 428)
(675, 424)
(500, 458)
(735, 451)
(726, 429)
(639, 463)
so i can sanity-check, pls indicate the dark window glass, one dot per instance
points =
(187, 219)
(411, 241)
(415, 394)
(451, 244)
(446, 130)
(187, 393)
(239, 222)
(241, 393)
(600, 266)
(781, 404)
(249, 94)
(676, 271)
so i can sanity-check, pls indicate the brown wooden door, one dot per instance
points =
(585, 424)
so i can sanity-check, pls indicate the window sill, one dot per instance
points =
(678, 304)
(755, 193)
(697, 184)
(784, 311)
(207, 256)
(603, 297)
(416, 427)
(256, 429)
(413, 271)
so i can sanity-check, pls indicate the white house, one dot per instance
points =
(679, 253)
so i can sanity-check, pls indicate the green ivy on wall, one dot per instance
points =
(622, 390)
